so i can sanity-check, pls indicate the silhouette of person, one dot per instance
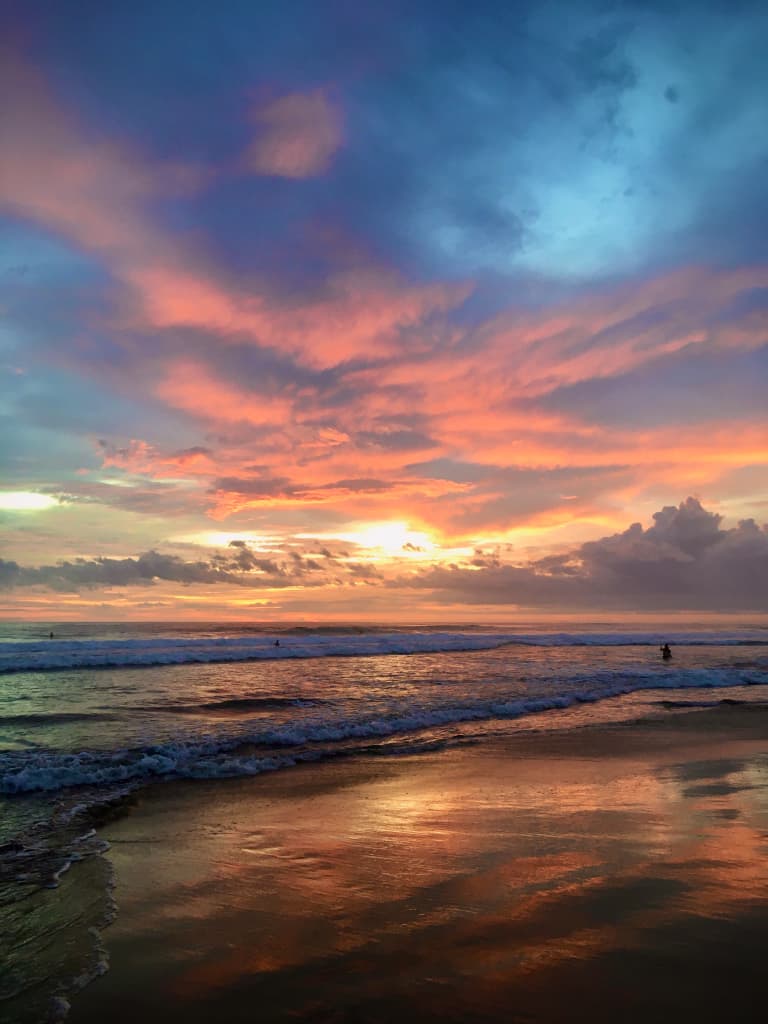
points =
(277, 643)
(50, 635)
(665, 652)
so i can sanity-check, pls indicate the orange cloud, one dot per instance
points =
(377, 499)
(312, 448)
(191, 387)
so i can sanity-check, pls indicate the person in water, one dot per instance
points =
(277, 643)
(666, 652)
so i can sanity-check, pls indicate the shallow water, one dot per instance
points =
(584, 875)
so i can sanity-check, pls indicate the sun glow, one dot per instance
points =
(387, 538)
(25, 501)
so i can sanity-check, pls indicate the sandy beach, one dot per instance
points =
(606, 873)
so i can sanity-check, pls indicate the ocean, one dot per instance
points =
(95, 713)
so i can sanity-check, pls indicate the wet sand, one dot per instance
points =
(615, 873)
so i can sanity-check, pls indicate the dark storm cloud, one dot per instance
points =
(243, 569)
(113, 572)
(363, 572)
(246, 560)
(685, 561)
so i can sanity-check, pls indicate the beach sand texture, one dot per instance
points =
(612, 873)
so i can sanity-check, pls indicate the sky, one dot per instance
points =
(424, 311)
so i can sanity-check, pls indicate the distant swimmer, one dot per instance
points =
(277, 643)
(50, 635)
(666, 652)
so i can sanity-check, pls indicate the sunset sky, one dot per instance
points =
(429, 311)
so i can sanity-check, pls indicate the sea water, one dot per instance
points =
(93, 714)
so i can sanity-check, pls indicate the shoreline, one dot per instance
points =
(500, 881)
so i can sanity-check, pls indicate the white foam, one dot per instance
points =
(56, 876)
(217, 756)
(31, 656)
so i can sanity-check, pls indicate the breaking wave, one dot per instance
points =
(54, 654)
(245, 751)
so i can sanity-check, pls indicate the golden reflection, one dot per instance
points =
(494, 865)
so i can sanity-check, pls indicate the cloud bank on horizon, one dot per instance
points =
(344, 307)
(684, 561)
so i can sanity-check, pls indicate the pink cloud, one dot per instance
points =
(609, 333)
(297, 136)
(90, 190)
(359, 314)
(473, 390)
(97, 194)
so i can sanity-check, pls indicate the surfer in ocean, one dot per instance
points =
(666, 652)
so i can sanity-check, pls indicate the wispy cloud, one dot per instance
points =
(296, 135)
(469, 277)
